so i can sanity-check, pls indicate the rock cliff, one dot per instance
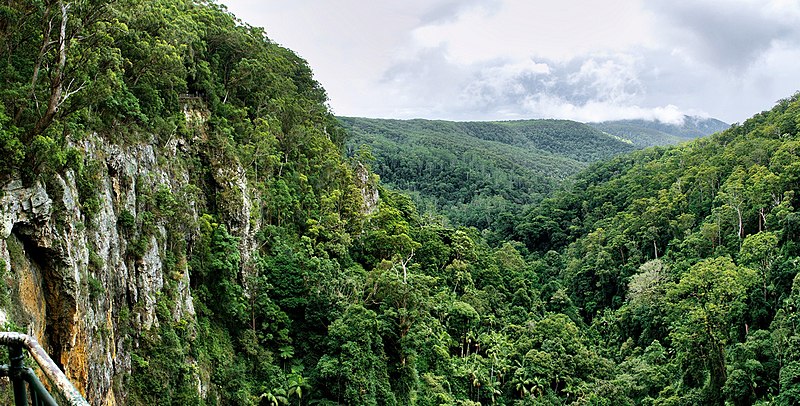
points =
(85, 278)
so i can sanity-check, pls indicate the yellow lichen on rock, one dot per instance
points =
(75, 360)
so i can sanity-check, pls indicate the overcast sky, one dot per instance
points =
(513, 59)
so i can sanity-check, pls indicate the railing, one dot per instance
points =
(20, 374)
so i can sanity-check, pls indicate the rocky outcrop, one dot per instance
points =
(85, 281)
(367, 183)
(89, 254)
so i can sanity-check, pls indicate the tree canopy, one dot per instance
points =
(655, 277)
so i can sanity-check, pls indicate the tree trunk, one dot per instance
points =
(741, 230)
(47, 29)
(57, 81)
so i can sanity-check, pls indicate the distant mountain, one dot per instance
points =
(474, 171)
(645, 133)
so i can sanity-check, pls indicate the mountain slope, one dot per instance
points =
(644, 133)
(690, 250)
(160, 164)
(459, 167)
(186, 230)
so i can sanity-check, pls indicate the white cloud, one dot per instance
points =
(613, 79)
(490, 83)
(499, 59)
(729, 34)
(520, 29)
(544, 105)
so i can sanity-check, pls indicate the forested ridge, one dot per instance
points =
(478, 174)
(666, 276)
(645, 133)
(486, 174)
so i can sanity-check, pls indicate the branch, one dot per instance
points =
(46, 44)
(56, 77)
(69, 92)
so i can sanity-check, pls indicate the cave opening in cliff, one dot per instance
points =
(47, 268)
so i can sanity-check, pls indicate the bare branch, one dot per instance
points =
(46, 44)
(56, 76)
(69, 92)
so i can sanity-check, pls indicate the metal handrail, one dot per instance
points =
(19, 374)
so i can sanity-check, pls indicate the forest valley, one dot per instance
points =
(663, 276)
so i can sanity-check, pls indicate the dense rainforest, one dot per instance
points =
(644, 133)
(487, 174)
(666, 276)
(478, 174)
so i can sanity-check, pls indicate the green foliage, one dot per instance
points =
(644, 133)
(682, 246)
(87, 181)
(705, 302)
(11, 148)
(162, 368)
(96, 288)
(138, 247)
(4, 288)
(665, 276)
(216, 270)
(126, 221)
(479, 174)
(354, 370)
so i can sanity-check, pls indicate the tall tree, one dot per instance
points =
(706, 302)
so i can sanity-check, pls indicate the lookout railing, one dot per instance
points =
(19, 374)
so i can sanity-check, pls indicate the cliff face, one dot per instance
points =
(86, 284)
(170, 181)
(85, 275)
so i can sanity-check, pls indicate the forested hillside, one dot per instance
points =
(485, 174)
(644, 133)
(665, 276)
(478, 173)
(683, 262)
(165, 169)
(180, 225)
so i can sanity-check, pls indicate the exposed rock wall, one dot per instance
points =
(75, 282)
(85, 274)
(368, 185)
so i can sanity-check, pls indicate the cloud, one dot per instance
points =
(506, 59)
(448, 11)
(592, 88)
(652, 60)
(520, 29)
(730, 34)
(547, 105)
(613, 79)
(502, 84)
(509, 59)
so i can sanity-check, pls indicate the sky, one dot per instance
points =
(584, 60)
